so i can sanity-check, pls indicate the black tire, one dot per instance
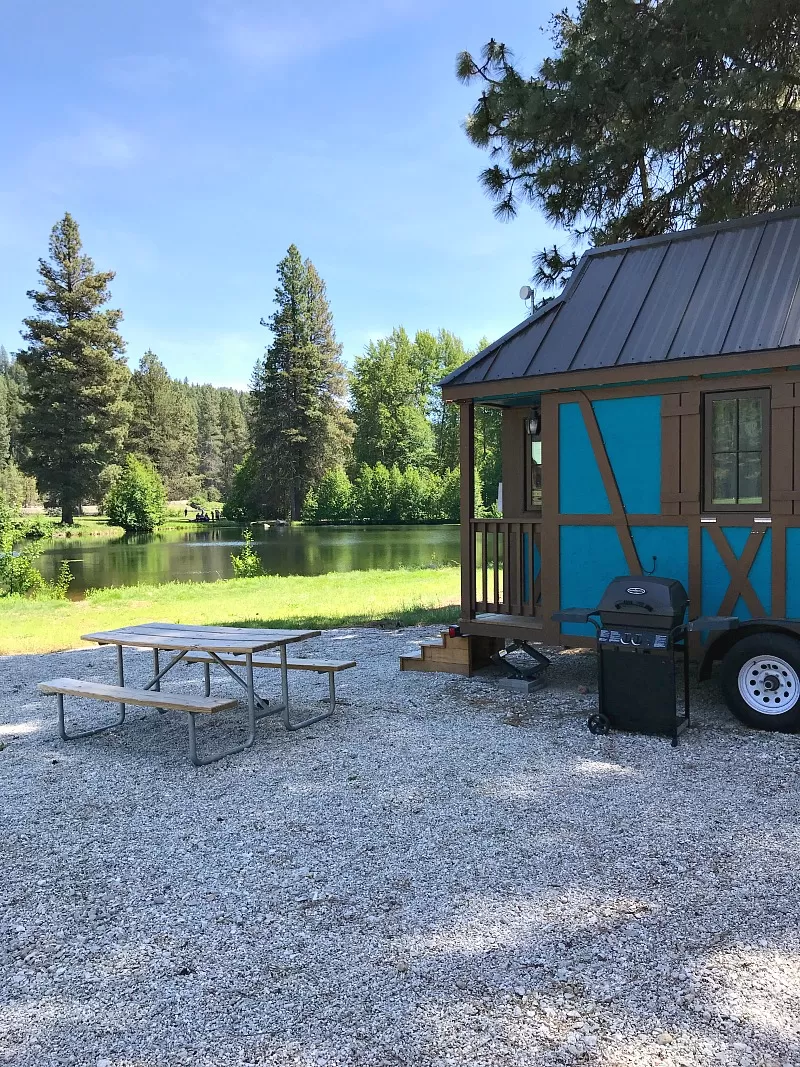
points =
(781, 662)
(598, 724)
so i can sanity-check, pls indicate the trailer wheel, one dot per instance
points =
(760, 678)
(598, 723)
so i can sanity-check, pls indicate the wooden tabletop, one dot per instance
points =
(178, 637)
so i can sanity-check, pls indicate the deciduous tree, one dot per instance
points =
(390, 386)
(137, 500)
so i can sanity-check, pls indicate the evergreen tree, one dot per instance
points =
(233, 438)
(209, 439)
(5, 431)
(163, 428)
(13, 376)
(298, 429)
(76, 413)
(651, 115)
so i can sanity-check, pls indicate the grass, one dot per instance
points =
(98, 526)
(351, 598)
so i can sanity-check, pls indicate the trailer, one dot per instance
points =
(651, 426)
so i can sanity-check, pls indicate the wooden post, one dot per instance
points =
(467, 461)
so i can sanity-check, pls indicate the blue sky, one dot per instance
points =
(194, 141)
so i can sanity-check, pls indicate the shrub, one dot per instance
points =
(246, 563)
(334, 497)
(137, 500)
(36, 528)
(18, 572)
(239, 505)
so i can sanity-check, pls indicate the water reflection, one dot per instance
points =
(204, 555)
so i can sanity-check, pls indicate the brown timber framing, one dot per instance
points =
(466, 432)
(681, 473)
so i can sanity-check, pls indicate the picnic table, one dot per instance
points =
(228, 647)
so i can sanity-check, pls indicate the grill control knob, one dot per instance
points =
(636, 639)
(625, 639)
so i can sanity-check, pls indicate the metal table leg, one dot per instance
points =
(203, 761)
(261, 702)
(287, 720)
(62, 730)
(121, 678)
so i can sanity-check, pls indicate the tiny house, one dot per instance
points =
(650, 425)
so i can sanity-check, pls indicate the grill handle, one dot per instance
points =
(620, 604)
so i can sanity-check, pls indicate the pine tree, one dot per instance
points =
(76, 412)
(233, 438)
(13, 375)
(163, 426)
(299, 429)
(5, 433)
(209, 439)
(648, 116)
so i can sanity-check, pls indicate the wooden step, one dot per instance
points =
(441, 654)
(417, 663)
(452, 655)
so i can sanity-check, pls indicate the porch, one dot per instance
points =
(501, 558)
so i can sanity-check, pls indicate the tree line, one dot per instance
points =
(316, 428)
(71, 410)
(79, 426)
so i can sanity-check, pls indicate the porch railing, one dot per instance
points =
(507, 564)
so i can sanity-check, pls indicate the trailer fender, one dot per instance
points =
(716, 649)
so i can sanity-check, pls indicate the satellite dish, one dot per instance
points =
(525, 292)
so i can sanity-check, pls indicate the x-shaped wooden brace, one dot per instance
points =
(738, 570)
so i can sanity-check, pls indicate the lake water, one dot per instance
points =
(204, 555)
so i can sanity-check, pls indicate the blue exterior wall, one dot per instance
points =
(580, 487)
(631, 429)
(591, 554)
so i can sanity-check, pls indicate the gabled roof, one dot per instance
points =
(715, 290)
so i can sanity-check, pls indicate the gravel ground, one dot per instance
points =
(444, 873)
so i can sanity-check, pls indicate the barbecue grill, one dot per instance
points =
(642, 640)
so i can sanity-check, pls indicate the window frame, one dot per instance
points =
(528, 507)
(763, 396)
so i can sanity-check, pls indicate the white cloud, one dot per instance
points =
(288, 30)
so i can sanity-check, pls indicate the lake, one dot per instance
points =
(204, 555)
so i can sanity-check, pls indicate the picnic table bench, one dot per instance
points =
(227, 646)
(329, 667)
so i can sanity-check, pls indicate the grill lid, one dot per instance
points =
(649, 600)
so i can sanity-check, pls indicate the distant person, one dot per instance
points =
(185, 512)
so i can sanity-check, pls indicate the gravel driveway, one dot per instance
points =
(416, 881)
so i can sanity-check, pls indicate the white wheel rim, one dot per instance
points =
(769, 685)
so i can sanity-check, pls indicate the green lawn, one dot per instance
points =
(340, 599)
(99, 526)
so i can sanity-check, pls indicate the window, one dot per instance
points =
(534, 463)
(737, 451)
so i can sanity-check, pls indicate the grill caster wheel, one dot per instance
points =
(598, 724)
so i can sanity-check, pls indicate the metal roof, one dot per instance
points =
(716, 290)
